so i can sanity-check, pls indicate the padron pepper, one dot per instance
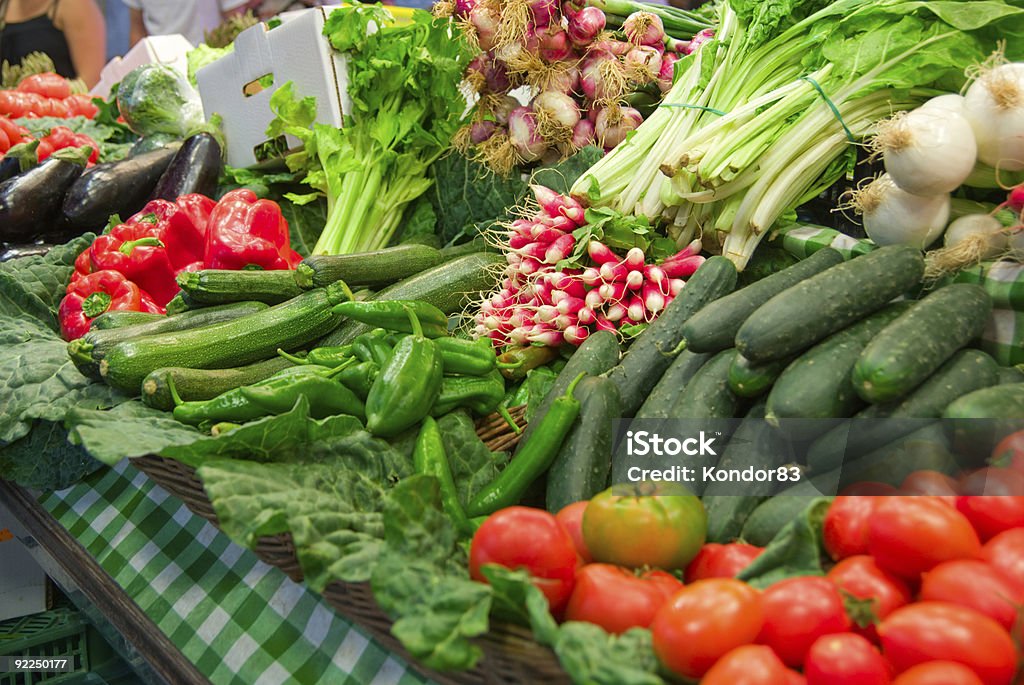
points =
(331, 357)
(429, 458)
(391, 314)
(326, 396)
(372, 347)
(407, 386)
(533, 458)
(359, 378)
(481, 394)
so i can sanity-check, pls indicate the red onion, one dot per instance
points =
(554, 44)
(464, 7)
(481, 131)
(603, 77)
(644, 28)
(556, 115)
(666, 76)
(582, 134)
(614, 122)
(643, 63)
(522, 130)
(585, 26)
(544, 11)
(610, 46)
(485, 21)
(703, 36)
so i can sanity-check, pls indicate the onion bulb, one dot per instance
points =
(522, 131)
(950, 102)
(928, 151)
(893, 216)
(982, 233)
(995, 108)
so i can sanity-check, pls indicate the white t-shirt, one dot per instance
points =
(190, 18)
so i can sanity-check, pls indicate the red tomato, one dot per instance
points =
(845, 659)
(845, 528)
(795, 678)
(51, 107)
(910, 535)
(977, 585)
(661, 525)
(531, 539)
(5, 143)
(668, 583)
(81, 105)
(993, 500)
(860, 577)
(571, 518)
(1006, 553)
(1009, 452)
(930, 631)
(931, 483)
(616, 599)
(938, 673)
(721, 561)
(797, 611)
(32, 105)
(868, 488)
(703, 622)
(747, 665)
(48, 84)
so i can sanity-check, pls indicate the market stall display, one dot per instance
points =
(438, 396)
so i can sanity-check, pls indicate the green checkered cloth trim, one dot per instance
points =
(1003, 337)
(240, 621)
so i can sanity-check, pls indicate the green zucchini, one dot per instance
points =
(817, 384)
(707, 395)
(714, 328)
(882, 424)
(447, 286)
(584, 461)
(598, 353)
(122, 319)
(178, 304)
(218, 286)
(1010, 374)
(658, 404)
(818, 306)
(913, 346)
(88, 351)
(653, 351)
(204, 384)
(754, 444)
(748, 379)
(984, 417)
(287, 326)
(371, 269)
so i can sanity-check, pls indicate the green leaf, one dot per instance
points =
(466, 193)
(795, 551)
(590, 655)
(114, 138)
(35, 285)
(422, 582)
(44, 459)
(560, 176)
(473, 465)
(305, 223)
(129, 430)
(419, 222)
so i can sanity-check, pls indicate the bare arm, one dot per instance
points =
(136, 26)
(84, 28)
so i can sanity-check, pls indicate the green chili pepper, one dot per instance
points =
(359, 378)
(331, 357)
(407, 386)
(326, 396)
(390, 314)
(517, 362)
(532, 459)
(482, 394)
(372, 347)
(429, 458)
(467, 357)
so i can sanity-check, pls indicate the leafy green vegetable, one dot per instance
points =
(34, 286)
(473, 465)
(795, 551)
(266, 183)
(155, 98)
(202, 55)
(44, 459)
(305, 223)
(421, 579)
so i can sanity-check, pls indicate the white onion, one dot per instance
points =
(893, 216)
(951, 102)
(995, 109)
(983, 229)
(928, 151)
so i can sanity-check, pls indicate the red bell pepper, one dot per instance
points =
(99, 292)
(61, 137)
(181, 226)
(247, 232)
(135, 250)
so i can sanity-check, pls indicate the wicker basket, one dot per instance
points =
(510, 654)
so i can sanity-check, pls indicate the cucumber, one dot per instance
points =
(658, 404)
(446, 286)
(598, 353)
(748, 379)
(707, 395)
(204, 384)
(1010, 374)
(818, 306)
(121, 319)
(754, 444)
(251, 338)
(913, 346)
(817, 384)
(371, 269)
(881, 424)
(218, 286)
(1001, 405)
(653, 351)
(88, 351)
(926, 449)
(714, 328)
(584, 461)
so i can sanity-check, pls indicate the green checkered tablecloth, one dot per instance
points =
(240, 621)
(1003, 337)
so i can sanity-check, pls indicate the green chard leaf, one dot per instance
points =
(35, 285)
(44, 459)
(795, 550)
(473, 465)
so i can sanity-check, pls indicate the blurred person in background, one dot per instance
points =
(190, 18)
(71, 32)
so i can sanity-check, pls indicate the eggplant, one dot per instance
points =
(195, 169)
(115, 188)
(30, 204)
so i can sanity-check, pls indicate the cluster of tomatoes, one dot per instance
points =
(45, 95)
(925, 589)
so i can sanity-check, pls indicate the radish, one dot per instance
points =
(586, 316)
(634, 280)
(601, 253)
(635, 258)
(927, 151)
(612, 292)
(994, 106)
(560, 249)
(893, 216)
(683, 267)
(654, 298)
(636, 310)
(591, 277)
(1015, 200)
(613, 273)
(675, 286)
(603, 324)
(594, 300)
(575, 335)
(558, 207)
(616, 312)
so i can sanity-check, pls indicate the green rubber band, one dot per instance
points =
(700, 107)
(831, 106)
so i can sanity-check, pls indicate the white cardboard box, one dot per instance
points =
(295, 51)
(169, 50)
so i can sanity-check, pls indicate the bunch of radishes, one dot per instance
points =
(540, 303)
(580, 77)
